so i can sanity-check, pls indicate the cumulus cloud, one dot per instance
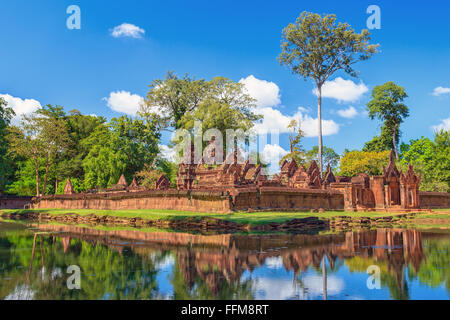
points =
(127, 30)
(342, 90)
(267, 94)
(166, 152)
(124, 102)
(274, 121)
(272, 154)
(440, 91)
(348, 113)
(20, 106)
(444, 125)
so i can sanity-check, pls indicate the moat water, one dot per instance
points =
(54, 261)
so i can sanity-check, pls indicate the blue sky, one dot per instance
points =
(43, 62)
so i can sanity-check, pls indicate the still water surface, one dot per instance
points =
(123, 263)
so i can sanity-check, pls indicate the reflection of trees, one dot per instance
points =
(435, 271)
(210, 274)
(106, 274)
(213, 267)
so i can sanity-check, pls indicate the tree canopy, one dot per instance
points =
(387, 105)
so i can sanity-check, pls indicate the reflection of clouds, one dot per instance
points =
(166, 263)
(21, 292)
(282, 289)
(274, 262)
(274, 289)
(314, 283)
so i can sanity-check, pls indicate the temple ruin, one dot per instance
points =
(211, 185)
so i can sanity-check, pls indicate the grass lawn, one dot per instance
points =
(238, 217)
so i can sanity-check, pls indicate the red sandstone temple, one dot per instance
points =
(237, 185)
(391, 191)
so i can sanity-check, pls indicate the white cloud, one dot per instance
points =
(274, 121)
(348, 113)
(266, 93)
(342, 90)
(444, 125)
(127, 30)
(20, 106)
(167, 153)
(268, 96)
(440, 91)
(272, 154)
(124, 102)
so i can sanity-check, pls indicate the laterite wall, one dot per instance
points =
(434, 200)
(13, 202)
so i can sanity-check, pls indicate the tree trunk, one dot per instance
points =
(319, 118)
(394, 141)
(324, 278)
(45, 179)
(36, 168)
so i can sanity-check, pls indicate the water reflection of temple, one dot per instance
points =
(221, 260)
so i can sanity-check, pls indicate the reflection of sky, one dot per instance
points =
(166, 268)
(273, 282)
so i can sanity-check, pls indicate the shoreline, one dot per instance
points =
(242, 222)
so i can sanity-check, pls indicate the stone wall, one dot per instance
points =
(277, 198)
(434, 200)
(217, 201)
(14, 202)
(288, 198)
(153, 199)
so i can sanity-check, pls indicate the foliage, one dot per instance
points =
(383, 142)
(296, 151)
(41, 135)
(77, 186)
(124, 146)
(6, 114)
(387, 105)
(431, 159)
(174, 97)
(225, 106)
(355, 162)
(330, 157)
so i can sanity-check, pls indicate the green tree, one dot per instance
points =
(174, 97)
(79, 128)
(6, 114)
(355, 162)
(383, 142)
(296, 150)
(330, 157)
(124, 146)
(219, 103)
(316, 47)
(431, 159)
(387, 105)
(41, 136)
(226, 106)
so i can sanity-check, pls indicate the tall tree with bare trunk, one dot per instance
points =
(315, 47)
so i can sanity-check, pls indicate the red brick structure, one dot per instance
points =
(162, 183)
(391, 191)
(233, 185)
(68, 189)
